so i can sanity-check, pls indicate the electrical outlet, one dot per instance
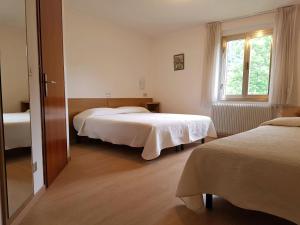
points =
(108, 94)
(34, 167)
(145, 94)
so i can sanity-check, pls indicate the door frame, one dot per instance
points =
(42, 91)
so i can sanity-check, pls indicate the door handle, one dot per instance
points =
(50, 82)
(46, 81)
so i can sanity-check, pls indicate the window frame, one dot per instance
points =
(246, 67)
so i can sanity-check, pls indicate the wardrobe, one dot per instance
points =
(33, 140)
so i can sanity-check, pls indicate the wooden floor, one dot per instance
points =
(112, 185)
(19, 181)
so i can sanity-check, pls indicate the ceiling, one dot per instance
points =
(12, 12)
(154, 17)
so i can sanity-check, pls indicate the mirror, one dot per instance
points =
(15, 105)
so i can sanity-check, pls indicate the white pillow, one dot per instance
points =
(132, 109)
(80, 118)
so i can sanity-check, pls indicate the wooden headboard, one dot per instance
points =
(77, 105)
(289, 111)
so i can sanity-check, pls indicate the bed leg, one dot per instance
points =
(202, 140)
(209, 201)
(78, 140)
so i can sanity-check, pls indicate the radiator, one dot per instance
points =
(233, 118)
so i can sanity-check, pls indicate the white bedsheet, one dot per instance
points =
(153, 131)
(17, 132)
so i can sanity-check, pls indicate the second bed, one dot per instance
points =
(137, 127)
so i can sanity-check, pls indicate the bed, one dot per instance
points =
(17, 130)
(137, 127)
(256, 170)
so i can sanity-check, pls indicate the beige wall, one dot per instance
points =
(103, 59)
(14, 71)
(179, 92)
(264, 21)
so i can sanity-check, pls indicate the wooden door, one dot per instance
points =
(52, 87)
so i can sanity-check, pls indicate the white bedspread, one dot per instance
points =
(17, 131)
(153, 131)
(257, 170)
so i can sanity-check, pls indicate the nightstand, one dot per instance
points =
(25, 105)
(152, 106)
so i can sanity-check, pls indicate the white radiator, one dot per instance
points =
(233, 118)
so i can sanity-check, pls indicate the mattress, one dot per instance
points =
(153, 131)
(256, 170)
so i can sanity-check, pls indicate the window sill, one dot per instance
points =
(255, 99)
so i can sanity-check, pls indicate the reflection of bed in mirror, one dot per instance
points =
(17, 130)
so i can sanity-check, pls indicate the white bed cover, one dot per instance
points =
(153, 131)
(17, 131)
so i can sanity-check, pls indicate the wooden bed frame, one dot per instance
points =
(288, 111)
(77, 105)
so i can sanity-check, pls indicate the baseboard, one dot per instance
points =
(18, 219)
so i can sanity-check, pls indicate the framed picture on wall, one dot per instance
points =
(179, 62)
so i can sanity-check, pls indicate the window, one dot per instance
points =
(246, 66)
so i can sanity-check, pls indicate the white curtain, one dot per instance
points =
(210, 79)
(284, 65)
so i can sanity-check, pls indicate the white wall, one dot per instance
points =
(13, 67)
(37, 155)
(179, 91)
(103, 58)
(253, 23)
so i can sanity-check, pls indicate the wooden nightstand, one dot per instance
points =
(25, 105)
(152, 106)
